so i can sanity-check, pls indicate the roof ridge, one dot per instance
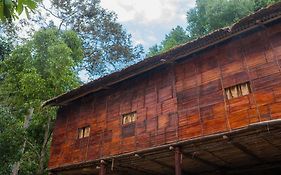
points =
(252, 20)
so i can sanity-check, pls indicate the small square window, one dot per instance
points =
(83, 132)
(238, 90)
(129, 118)
(129, 124)
(80, 133)
(87, 132)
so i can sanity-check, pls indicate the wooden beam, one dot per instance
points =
(256, 168)
(102, 170)
(226, 163)
(138, 170)
(243, 149)
(105, 87)
(203, 161)
(52, 173)
(270, 143)
(149, 162)
(171, 168)
(246, 151)
(163, 165)
(178, 161)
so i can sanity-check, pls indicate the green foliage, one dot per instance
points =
(154, 50)
(34, 72)
(207, 16)
(74, 43)
(43, 67)
(263, 3)
(176, 37)
(5, 48)
(107, 46)
(210, 15)
(11, 140)
(11, 9)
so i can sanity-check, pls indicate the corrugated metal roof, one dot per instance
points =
(254, 20)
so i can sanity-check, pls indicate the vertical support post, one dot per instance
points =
(178, 157)
(102, 168)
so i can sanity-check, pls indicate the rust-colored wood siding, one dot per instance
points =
(176, 102)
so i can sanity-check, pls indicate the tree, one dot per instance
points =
(11, 9)
(33, 73)
(176, 37)
(107, 46)
(263, 3)
(7, 37)
(154, 50)
(208, 16)
(10, 140)
(5, 48)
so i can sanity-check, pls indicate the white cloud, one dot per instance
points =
(149, 20)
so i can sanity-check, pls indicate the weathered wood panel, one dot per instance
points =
(176, 102)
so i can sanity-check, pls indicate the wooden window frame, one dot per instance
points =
(128, 128)
(237, 91)
(131, 120)
(84, 132)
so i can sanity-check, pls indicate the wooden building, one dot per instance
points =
(210, 106)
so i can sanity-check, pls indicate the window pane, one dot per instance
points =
(228, 93)
(238, 90)
(87, 132)
(234, 91)
(126, 119)
(128, 130)
(129, 118)
(134, 117)
(245, 89)
(80, 133)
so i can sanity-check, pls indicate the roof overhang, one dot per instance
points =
(250, 149)
(251, 22)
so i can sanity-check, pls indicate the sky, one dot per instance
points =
(149, 20)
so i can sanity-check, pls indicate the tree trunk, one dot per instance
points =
(27, 119)
(44, 146)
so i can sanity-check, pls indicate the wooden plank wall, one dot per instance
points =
(177, 102)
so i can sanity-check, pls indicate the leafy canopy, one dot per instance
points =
(34, 72)
(107, 46)
(176, 37)
(11, 9)
(43, 67)
(209, 15)
(10, 140)
(5, 48)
